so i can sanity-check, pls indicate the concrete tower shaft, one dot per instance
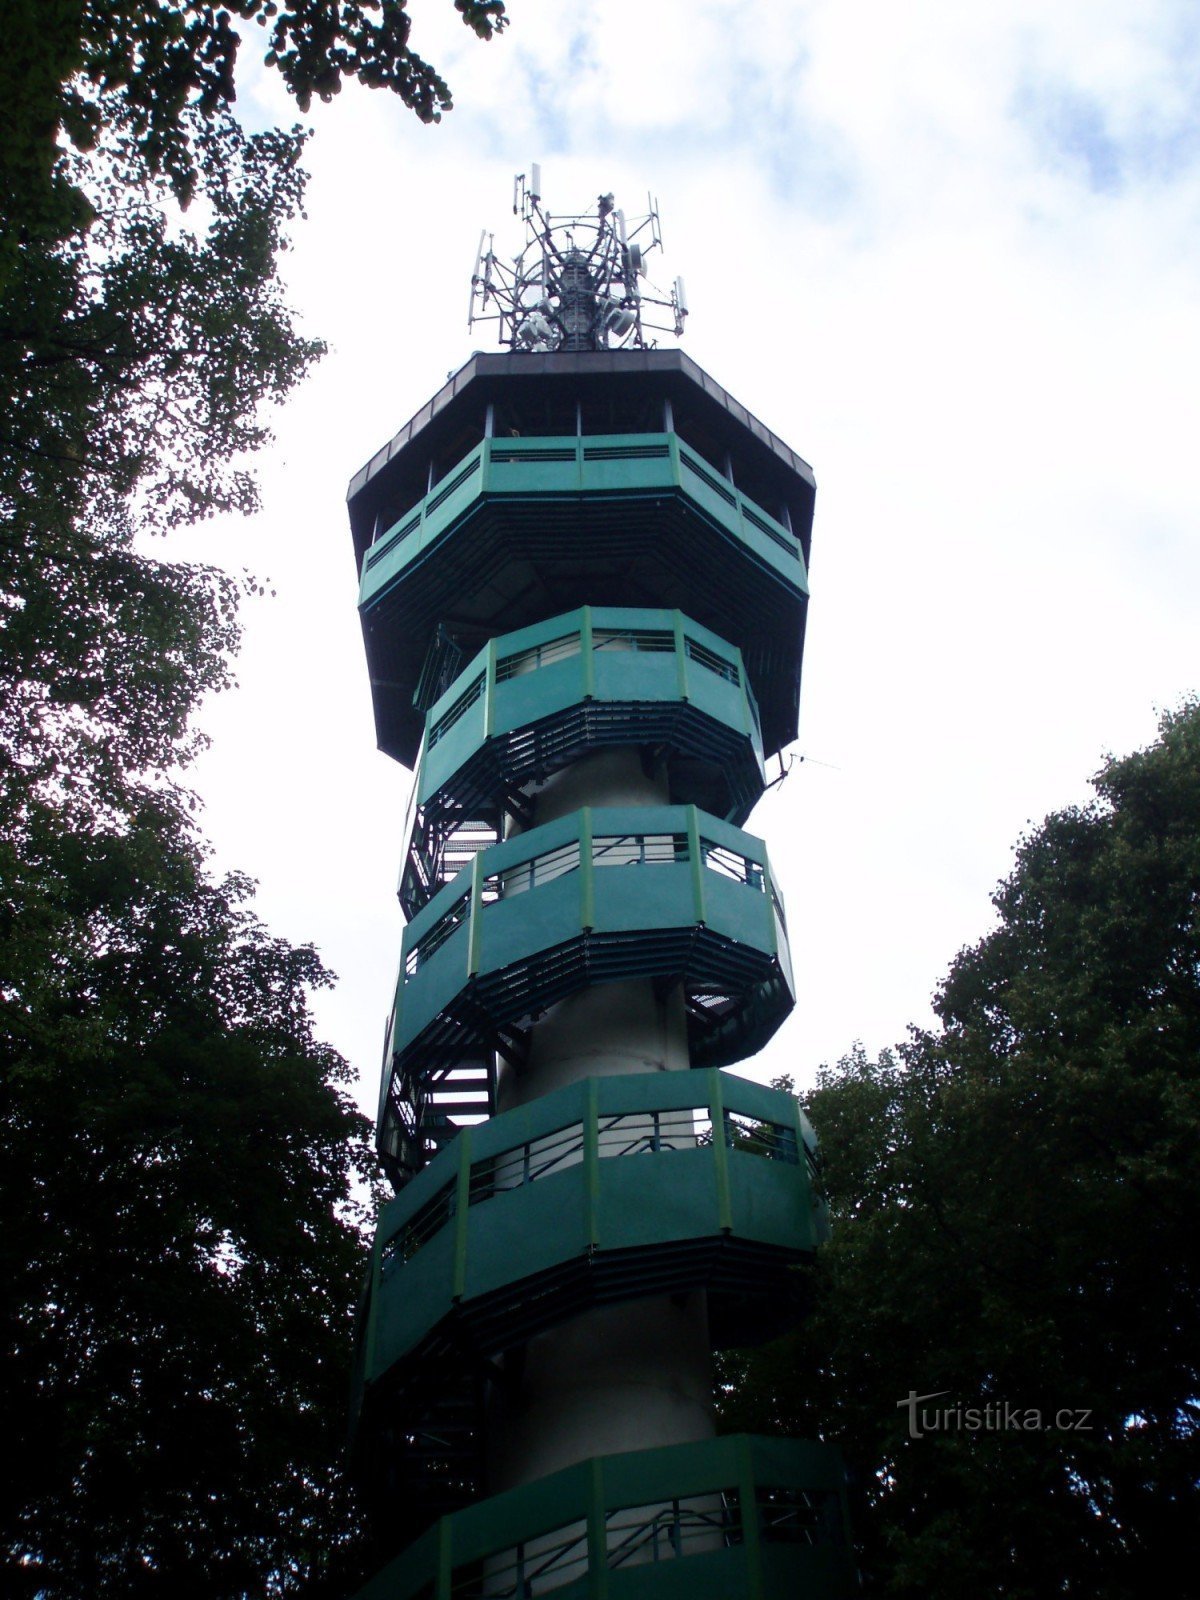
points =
(620, 1377)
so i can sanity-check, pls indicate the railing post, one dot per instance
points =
(720, 1149)
(797, 1131)
(462, 1207)
(817, 1215)
(673, 457)
(681, 667)
(475, 931)
(696, 863)
(772, 914)
(740, 513)
(445, 1558)
(748, 722)
(751, 1526)
(587, 871)
(597, 1533)
(591, 1161)
(489, 689)
(587, 650)
(373, 1309)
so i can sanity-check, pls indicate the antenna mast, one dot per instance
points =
(580, 281)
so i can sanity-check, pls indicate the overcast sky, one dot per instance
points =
(949, 253)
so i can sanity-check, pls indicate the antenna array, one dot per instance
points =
(580, 282)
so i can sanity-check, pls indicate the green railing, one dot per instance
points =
(649, 1161)
(602, 655)
(617, 464)
(627, 870)
(744, 1517)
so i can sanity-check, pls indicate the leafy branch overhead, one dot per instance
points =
(78, 68)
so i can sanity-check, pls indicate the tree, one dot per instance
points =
(1014, 1204)
(181, 1248)
(137, 353)
(181, 1171)
(135, 362)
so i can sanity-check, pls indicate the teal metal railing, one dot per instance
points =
(738, 1515)
(631, 1115)
(602, 655)
(617, 464)
(656, 1162)
(618, 870)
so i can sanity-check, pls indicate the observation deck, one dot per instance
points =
(477, 520)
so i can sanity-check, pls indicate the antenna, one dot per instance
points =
(476, 277)
(579, 283)
(679, 300)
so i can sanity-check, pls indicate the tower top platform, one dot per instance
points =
(594, 375)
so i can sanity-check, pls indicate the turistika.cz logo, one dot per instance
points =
(997, 1416)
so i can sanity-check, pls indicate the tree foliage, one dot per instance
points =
(180, 1250)
(138, 349)
(76, 70)
(1014, 1202)
(135, 361)
(178, 1157)
(181, 1170)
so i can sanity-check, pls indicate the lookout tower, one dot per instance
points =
(583, 589)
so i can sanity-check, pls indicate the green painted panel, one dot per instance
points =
(717, 698)
(767, 1202)
(798, 1571)
(636, 675)
(709, 1575)
(438, 761)
(533, 466)
(512, 1236)
(622, 475)
(534, 695)
(655, 1199)
(515, 929)
(425, 993)
(742, 913)
(634, 1094)
(416, 1193)
(401, 1314)
(630, 898)
(613, 476)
